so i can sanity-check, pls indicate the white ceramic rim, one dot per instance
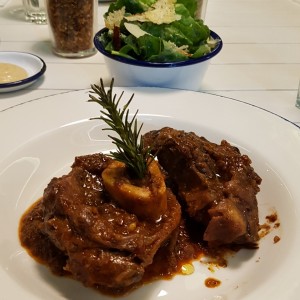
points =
(54, 129)
(33, 64)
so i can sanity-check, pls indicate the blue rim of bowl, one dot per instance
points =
(140, 63)
(28, 79)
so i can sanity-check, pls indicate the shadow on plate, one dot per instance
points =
(71, 289)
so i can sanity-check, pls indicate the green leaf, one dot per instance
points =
(189, 32)
(202, 50)
(149, 45)
(131, 6)
(169, 53)
(129, 144)
(190, 5)
(193, 30)
(167, 32)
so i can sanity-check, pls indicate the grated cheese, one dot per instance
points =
(161, 12)
(135, 30)
(114, 18)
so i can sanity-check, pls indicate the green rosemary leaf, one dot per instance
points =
(130, 149)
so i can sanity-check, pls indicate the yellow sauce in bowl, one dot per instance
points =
(11, 73)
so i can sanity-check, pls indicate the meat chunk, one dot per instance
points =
(102, 244)
(216, 184)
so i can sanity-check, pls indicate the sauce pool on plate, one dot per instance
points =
(212, 282)
(11, 73)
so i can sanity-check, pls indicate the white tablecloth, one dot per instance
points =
(259, 63)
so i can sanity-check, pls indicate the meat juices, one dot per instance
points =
(90, 238)
(77, 230)
(216, 184)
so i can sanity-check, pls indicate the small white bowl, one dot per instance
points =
(32, 64)
(186, 74)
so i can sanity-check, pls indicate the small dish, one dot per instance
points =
(186, 74)
(32, 64)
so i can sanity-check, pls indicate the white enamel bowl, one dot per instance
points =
(186, 75)
(32, 64)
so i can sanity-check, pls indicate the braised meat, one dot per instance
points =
(79, 228)
(91, 238)
(216, 184)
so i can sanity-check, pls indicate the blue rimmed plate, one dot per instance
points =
(32, 64)
(36, 147)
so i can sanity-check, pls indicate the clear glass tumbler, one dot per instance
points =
(298, 97)
(201, 9)
(35, 11)
(73, 24)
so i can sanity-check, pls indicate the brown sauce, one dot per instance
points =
(271, 223)
(272, 218)
(276, 239)
(212, 282)
(165, 265)
(57, 243)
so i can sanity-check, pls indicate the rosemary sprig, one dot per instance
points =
(130, 148)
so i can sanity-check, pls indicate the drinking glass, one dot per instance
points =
(201, 9)
(35, 11)
(298, 97)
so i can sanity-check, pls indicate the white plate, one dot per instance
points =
(34, 66)
(40, 139)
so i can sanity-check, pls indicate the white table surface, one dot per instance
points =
(259, 63)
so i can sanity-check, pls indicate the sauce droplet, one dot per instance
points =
(276, 239)
(212, 282)
(187, 269)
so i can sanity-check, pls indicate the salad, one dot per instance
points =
(156, 30)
